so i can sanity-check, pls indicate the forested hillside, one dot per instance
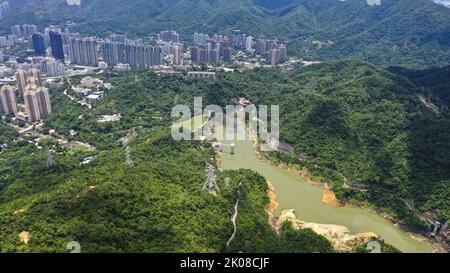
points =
(353, 122)
(435, 83)
(348, 119)
(345, 119)
(412, 33)
(155, 205)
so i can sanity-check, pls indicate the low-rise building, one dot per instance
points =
(201, 74)
(94, 98)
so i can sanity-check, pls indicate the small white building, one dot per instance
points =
(201, 74)
(94, 98)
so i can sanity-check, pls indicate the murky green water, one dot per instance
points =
(294, 193)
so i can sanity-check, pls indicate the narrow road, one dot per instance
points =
(234, 216)
(74, 99)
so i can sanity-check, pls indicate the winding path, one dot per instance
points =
(234, 216)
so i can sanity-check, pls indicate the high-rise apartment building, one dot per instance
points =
(261, 46)
(21, 80)
(239, 39)
(32, 81)
(38, 44)
(196, 38)
(249, 44)
(274, 51)
(24, 78)
(215, 56)
(3, 41)
(177, 55)
(29, 30)
(210, 49)
(277, 55)
(119, 37)
(45, 107)
(56, 45)
(168, 36)
(226, 54)
(37, 102)
(199, 55)
(24, 30)
(8, 103)
(12, 40)
(200, 38)
(194, 54)
(32, 103)
(83, 51)
(52, 67)
(16, 30)
(115, 53)
(36, 74)
(4, 9)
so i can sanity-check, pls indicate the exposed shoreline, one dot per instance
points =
(329, 198)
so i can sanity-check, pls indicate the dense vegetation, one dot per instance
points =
(255, 235)
(412, 33)
(433, 82)
(353, 124)
(368, 128)
(350, 121)
(356, 123)
(156, 205)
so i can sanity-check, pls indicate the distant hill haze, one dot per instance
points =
(410, 33)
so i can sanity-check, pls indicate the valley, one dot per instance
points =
(359, 99)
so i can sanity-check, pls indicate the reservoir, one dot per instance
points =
(294, 193)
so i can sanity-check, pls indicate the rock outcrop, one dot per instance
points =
(339, 236)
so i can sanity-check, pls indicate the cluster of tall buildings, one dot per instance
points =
(274, 51)
(24, 78)
(210, 50)
(30, 87)
(132, 53)
(36, 96)
(4, 9)
(172, 52)
(47, 65)
(52, 67)
(177, 54)
(17, 32)
(118, 37)
(9, 40)
(24, 30)
(238, 39)
(117, 49)
(83, 51)
(168, 36)
(37, 102)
